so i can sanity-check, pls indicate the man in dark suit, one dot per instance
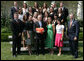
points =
(65, 11)
(54, 7)
(40, 37)
(14, 9)
(73, 35)
(16, 27)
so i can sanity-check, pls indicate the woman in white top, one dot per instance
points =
(59, 36)
(20, 15)
(24, 9)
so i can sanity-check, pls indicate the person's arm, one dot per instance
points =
(53, 28)
(62, 33)
(11, 14)
(13, 28)
(34, 27)
(28, 35)
(77, 30)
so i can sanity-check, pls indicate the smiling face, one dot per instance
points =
(61, 4)
(39, 17)
(49, 20)
(15, 3)
(25, 5)
(15, 15)
(71, 16)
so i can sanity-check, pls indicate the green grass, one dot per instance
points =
(6, 54)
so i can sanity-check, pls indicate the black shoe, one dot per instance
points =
(18, 53)
(75, 56)
(14, 56)
(43, 53)
(37, 54)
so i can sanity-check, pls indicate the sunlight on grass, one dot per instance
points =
(6, 54)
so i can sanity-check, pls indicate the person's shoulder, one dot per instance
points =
(56, 25)
(62, 26)
(12, 7)
(76, 21)
(53, 25)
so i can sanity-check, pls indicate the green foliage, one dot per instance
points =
(81, 23)
(40, 3)
(81, 36)
(5, 30)
(4, 37)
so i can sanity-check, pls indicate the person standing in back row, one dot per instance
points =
(14, 9)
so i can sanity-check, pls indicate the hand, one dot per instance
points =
(19, 34)
(37, 31)
(28, 36)
(61, 39)
(62, 20)
(75, 38)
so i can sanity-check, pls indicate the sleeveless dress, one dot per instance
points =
(50, 36)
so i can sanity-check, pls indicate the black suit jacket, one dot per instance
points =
(13, 10)
(36, 25)
(74, 30)
(16, 28)
(65, 11)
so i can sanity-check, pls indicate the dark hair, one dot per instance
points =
(16, 13)
(37, 4)
(55, 15)
(51, 20)
(59, 19)
(24, 18)
(25, 4)
(45, 4)
(19, 11)
(61, 10)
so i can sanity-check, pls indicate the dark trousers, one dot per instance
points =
(16, 44)
(74, 47)
(40, 43)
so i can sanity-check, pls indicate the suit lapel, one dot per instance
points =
(72, 23)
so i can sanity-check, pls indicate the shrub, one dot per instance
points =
(4, 37)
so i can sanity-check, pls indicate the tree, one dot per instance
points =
(80, 10)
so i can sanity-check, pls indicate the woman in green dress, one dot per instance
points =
(50, 35)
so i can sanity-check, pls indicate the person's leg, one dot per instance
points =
(59, 51)
(76, 49)
(51, 51)
(18, 45)
(42, 47)
(37, 47)
(29, 49)
(14, 47)
(23, 39)
(71, 47)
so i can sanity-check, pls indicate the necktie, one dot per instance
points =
(70, 23)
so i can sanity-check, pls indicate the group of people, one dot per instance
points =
(52, 19)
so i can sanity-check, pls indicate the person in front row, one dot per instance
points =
(59, 36)
(73, 35)
(30, 34)
(50, 35)
(39, 35)
(16, 28)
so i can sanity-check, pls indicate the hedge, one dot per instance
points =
(4, 36)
